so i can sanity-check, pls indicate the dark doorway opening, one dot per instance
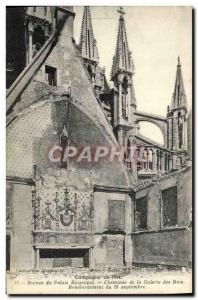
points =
(7, 252)
(57, 258)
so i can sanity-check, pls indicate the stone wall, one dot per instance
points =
(166, 245)
(171, 247)
(111, 248)
(21, 255)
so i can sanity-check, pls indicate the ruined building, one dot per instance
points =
(76, 213)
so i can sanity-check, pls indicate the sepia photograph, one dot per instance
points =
(99, 150)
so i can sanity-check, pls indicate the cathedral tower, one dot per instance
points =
(121, 75)
(177, 115)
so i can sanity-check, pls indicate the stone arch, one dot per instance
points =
(161, 125)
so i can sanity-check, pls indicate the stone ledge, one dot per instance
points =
(165, 229)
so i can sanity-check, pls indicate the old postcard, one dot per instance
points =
(99, 150)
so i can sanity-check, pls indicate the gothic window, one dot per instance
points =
(166, 162)
(141, 213)
(38, 39)
(125, 85)
(124, 98)
(145, 158)
(180, 129)
(128, 154)
(51, 76)
(180, 161)
(158, 159)
(150, 158)
(137, 157)
(124, 106)
(116, 215)
(169, 206)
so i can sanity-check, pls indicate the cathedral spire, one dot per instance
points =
(122, 60)
(87, 40)
(179, 95)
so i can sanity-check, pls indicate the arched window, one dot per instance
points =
(124, 98)
(180, 129)
(169, 162)
(145, 157)
(166, 162)
(150, 158)
(125, 85)
(158, 159)
(137, 158)
(180, 160)
(128, 154)
(38, 39)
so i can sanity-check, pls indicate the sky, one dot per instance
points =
(157, 35)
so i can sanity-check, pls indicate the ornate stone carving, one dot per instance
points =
(68, 211)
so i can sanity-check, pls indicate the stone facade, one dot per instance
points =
(86, 214)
